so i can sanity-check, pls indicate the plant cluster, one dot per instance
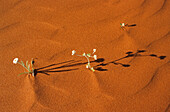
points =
(30, 66)
(27, 66)
(87, 56)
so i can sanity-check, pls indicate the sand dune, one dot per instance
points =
(132, 73)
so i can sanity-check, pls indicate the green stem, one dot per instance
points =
(24, 66)
(88, 61)
(32, 68)
(23, 73)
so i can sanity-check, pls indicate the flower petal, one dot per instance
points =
(73, 52)
(123, 24)
(94, 50)
(95, 57)
(15, 61)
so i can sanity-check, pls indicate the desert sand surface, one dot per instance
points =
(132, 72)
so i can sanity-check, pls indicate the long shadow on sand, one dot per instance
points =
(132, 25)
(55, 68)
(47, 69)
(128, 55)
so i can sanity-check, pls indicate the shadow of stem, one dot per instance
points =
(71, 63)
(52, 69)
(129, 54)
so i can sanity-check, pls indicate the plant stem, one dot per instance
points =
(88, 61)
(32, 67)
(24, 67)
(23, 73)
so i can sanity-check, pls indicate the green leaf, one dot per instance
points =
(32, 64)
(23, 73)
(28, 67)
(27, 64)
(22, 63)
(32, 61)
(88, 54)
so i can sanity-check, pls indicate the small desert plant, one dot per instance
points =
(89, 55)
(123, 26)
(28, 67)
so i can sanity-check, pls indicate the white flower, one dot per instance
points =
(84, 54)
(123, 24)
(15, 61)
(87, 66)
(73, 52)
(95, 57)
(94, 50)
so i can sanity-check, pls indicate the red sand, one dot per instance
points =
(49, 30)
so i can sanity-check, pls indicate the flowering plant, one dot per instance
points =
(87, 56)
(122, 25)
(28, 67)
